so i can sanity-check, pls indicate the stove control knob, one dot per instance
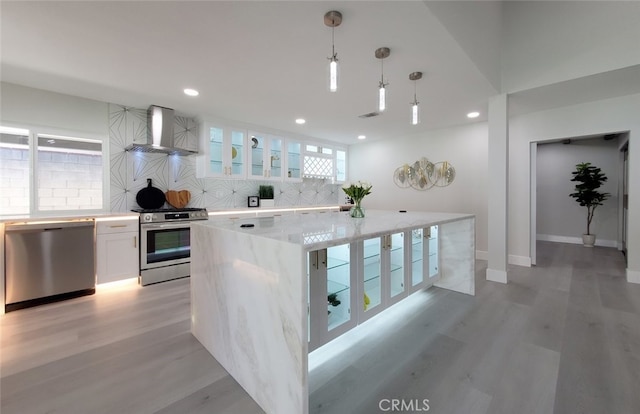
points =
(147, 217)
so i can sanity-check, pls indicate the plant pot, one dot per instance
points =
(588, 240)
(267, 202)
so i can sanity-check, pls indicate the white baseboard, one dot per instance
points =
(499, 276)
(520, 260)
(633, 276)
(575, 240)
(513, 259)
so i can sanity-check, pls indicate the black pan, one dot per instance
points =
(150, 196)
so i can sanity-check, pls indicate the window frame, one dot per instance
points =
(36, 131)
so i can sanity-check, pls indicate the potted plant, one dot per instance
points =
(589, 179)
(265, 192)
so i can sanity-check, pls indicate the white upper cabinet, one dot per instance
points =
(265, 157)
(236, 153)
(293, 159)
(341, 165)
(224, 152)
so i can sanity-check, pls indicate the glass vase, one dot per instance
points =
(356, 210)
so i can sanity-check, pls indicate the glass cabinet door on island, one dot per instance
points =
(371, 278)
(382, 281)
(397, 285)
(434, 268)
(424, 257)
(331, 294)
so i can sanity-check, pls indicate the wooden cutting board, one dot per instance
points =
(178, 199)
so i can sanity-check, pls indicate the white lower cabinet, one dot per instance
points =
(363, 278)
(117, 250)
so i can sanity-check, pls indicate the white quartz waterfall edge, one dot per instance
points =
(249, 289)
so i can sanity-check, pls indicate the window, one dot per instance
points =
(14, 171)
(60, 173)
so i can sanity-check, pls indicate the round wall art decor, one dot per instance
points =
(423, 174)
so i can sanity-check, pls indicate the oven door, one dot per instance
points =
(164, 244)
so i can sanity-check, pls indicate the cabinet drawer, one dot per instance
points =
(116, 226)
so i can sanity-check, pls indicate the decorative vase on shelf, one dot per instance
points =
(356, 210)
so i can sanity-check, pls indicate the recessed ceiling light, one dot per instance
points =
(300, 121)
(362, 137)
(191, 92)
(473, 114)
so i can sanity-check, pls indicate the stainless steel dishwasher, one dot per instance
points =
(47, 262)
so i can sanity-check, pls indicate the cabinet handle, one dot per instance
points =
(135, 242)
(118, 226)
(313, 257)
(322, 257)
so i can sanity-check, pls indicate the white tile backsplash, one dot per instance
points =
(129, 171)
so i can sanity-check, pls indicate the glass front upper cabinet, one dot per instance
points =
(294, 161)
(224, 153)
(265, 156)
(341, 166)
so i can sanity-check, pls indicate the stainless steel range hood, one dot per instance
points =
(159, 134)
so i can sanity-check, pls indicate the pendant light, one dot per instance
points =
(333, 19)
(382, 53)
(415, 115)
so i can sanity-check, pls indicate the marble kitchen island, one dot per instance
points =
(251, 299)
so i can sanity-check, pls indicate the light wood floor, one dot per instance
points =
(561, 337)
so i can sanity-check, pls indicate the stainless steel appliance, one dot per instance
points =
(165, 243)
(48, 261)
(160, 134)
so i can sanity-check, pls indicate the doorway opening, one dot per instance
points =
(555, 216)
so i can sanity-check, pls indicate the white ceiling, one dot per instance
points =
(260, 62)
(265, 62)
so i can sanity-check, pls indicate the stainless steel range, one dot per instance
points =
(165, 243)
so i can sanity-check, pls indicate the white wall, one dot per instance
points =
(560, 217)
(35, 107)
(552, 41)
(599, 117)
(465, 147)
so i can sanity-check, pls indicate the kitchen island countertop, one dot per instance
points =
(316, 231)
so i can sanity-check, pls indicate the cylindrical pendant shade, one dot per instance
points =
(333, 75)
